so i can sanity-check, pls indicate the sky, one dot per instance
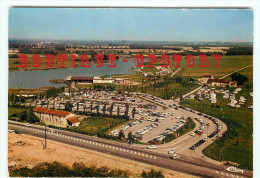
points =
(223, 25)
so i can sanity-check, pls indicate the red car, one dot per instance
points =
(200, 133)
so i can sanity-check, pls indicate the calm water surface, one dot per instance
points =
(36, 79)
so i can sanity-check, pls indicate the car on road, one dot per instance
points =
(18, 132)
(208, 124)
(193, 147)
(171, 151)
(151, 147)
(27, 124)
(192, 134)
(175, 156)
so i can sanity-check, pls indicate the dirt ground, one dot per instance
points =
(25, 150)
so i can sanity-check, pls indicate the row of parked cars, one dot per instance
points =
(143, 131)
(161, 136)
(124, 127)
(199, 131)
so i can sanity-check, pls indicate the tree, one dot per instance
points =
(77, 106)
(23, 116)
(104, 108)
(32, 117)
(133, 113)
(130, 138)
(97, 107)
(121, 135)
(118, 110)
(239, 78)
(151, 174)
(111, 109)
(91, 107)
(126, 109)
(68, 106)
(12, 99)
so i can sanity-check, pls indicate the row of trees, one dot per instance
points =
(57, 169)
(240, 51)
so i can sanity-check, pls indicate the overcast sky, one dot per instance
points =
(131, 24)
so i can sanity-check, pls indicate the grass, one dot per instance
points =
(227, 64)
(237, 143)
(96, 124)
(12, 110)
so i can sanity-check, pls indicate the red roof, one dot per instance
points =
(218, 81)
(82, 78)
(73, 119)
(51, 111)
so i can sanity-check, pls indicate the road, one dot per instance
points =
(193, 166)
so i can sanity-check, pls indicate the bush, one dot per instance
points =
(152, 173)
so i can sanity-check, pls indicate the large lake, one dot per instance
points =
(36, 79)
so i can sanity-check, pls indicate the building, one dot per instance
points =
(80, 79)
(221, 83)
(56, 117)
(205, 79)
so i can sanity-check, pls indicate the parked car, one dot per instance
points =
(171, 151)
(192, 134)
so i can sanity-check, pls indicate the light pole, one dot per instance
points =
(45, 139)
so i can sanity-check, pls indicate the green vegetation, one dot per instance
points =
(15, 110)
(237, 142)
(240, 51)
(152, 173)
(98, 124)
(22, 114)
(56, 169)
(189, 126)
(228, 64)
(54, 92)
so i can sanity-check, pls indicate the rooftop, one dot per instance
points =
(51, 111)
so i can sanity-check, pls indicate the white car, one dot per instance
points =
(177, 117)
(192, 134)
(152, 147)
(27, 125)
(206, 138)
(171, 151)
(175, 156)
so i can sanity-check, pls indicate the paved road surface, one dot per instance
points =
(187, 165)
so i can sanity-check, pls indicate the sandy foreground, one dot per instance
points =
(25, 150)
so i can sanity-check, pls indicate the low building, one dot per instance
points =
(205, 79)
(221, 83)
(56, 117)
(80, 79)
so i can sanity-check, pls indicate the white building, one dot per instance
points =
(56, 117)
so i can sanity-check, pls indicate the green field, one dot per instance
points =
(96, 124)
(227, 64)
(237, 143)
(12, 110)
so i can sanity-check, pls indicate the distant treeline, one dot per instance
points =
(240, 51)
